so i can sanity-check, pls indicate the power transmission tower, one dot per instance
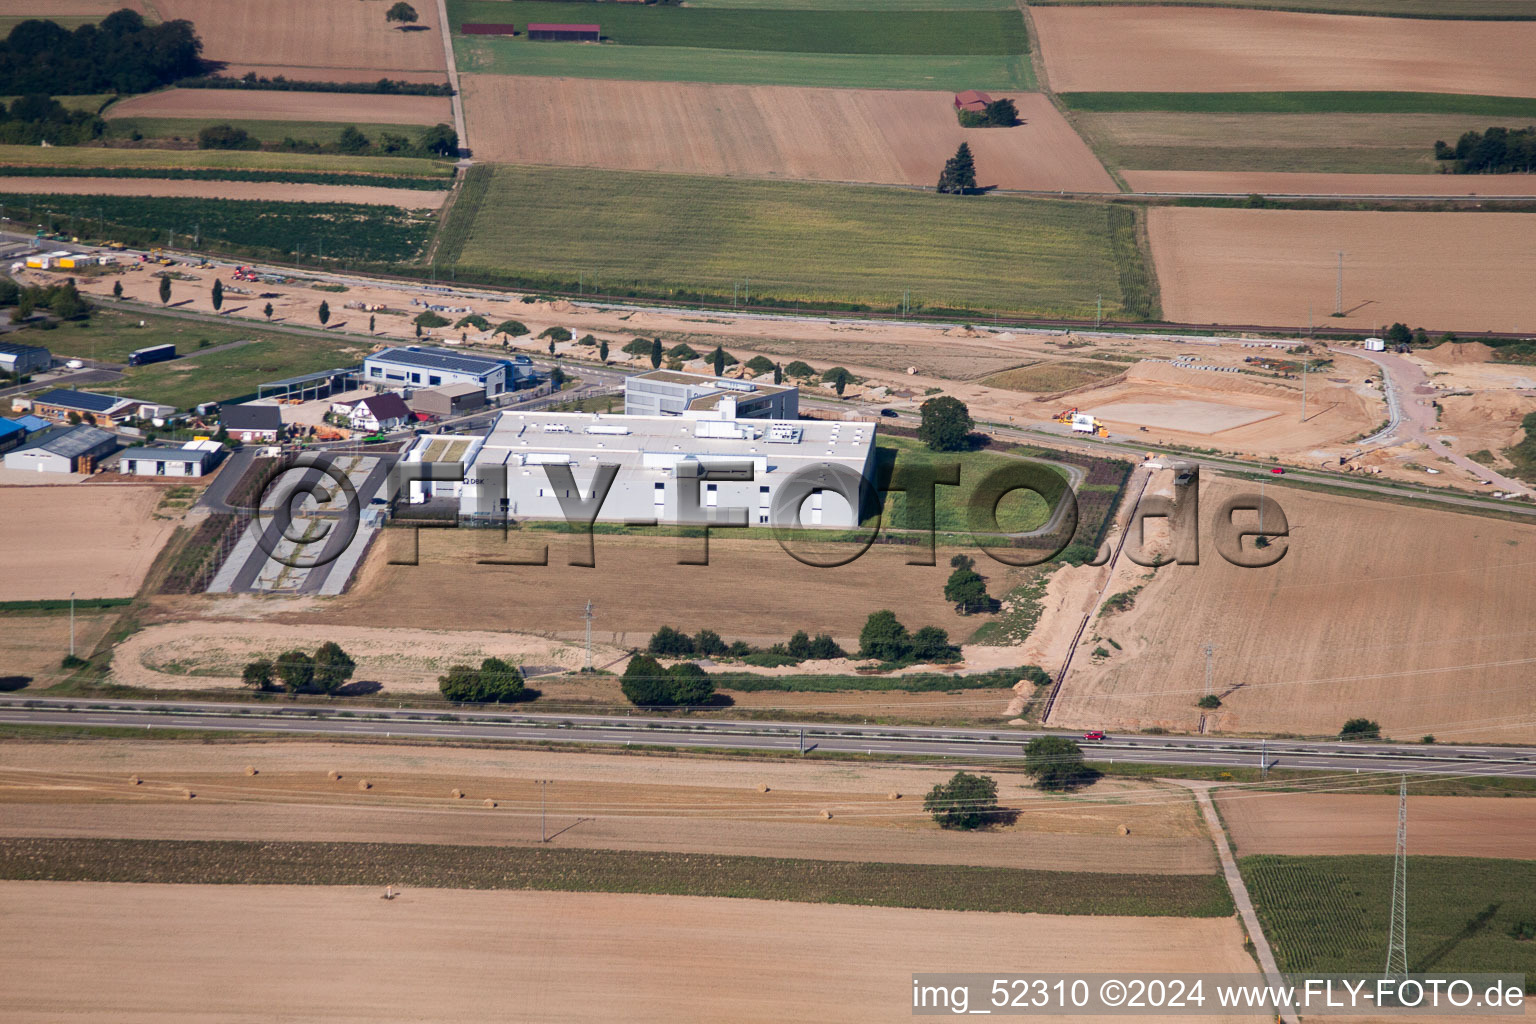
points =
(1338, 292)
(1210, 649)
(1303, 389)
(1397, 926)
(588, 617)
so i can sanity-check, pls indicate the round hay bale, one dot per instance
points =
(188, 794)
(457, 794)
(364, 784)
(1124, 830)
(134, 780)
(826, 815)
(893, 796)
(250, 769)
(333, 775)
(762, 787)
(490, 803)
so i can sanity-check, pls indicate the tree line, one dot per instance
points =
(120, 54)
(281, 83)
(1495, 151)
(37, 118)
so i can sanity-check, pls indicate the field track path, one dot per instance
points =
(453, 73)
(1240, 897)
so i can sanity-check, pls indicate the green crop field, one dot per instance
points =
(94, 156)
(998, 31)
(437, 184)
(1330, 914)
(346, 232)
(688, 238)
(858, 5)
(185, 129)
(1019, 512)
(934, 886)
(1303, 103)
(1485, 10)
(744, 67)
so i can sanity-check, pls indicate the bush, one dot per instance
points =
(760, 364)
(72, 661)
(555, 334)
(683, 352)
(494, 682)
(512, 328)
(638, 347)
(1210, 702)
(430, 319)
(646, 684)
(333, 667)
(884, 637)
(1057, 763)
(667, 642)
(931, 644)
(1360, 729)
(474, 320)
(257, 674)
(799, 369)
(771, 659)
(296, 669)
(707, 643)
(964, 802)
(224, 136)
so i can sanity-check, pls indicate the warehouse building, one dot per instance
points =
(660, 460)
(11, 434)
(457, 451)
(541, 31)
(672, 393)
(57, 405)
(418, 367)
(196, 458)
(448, 400)
(23, 359)
(63, 450)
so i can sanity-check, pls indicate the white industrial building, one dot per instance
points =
(415, 366)
(457, 451)
(673, 393)
(195, 458)
(662, 465)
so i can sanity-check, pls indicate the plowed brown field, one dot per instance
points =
(82, 951)
(892, 137)
(1444, 271)
(274, 191)
(301, 34)
(1421, 620)
(97, 541)
(1325, 823)
(1273, 183)
(1187, 49)
(286, 106)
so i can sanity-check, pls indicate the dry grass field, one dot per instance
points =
(1046, 377)
(1186, 49)
(32, 646)
(623, 802)
(277, 191)
(297, 38)
(83, 950)
(258, 105)
(96, 540)
(1270, 266)
(1280, 183)
(67, 8)
(889, 137)
(1417, 619)
(1323, 823)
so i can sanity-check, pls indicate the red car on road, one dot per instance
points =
(1094, 734)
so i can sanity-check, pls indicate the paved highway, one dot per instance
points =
(700, 730)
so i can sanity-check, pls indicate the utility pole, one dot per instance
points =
(1397, 926)
(588, 617)
(1338, 291)
(1098, 316)
(1303, 389)
(71, 623)
(1263, 758)
(802, 740)
(543, 831)
(1209, 649)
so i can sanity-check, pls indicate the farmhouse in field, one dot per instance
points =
(546, 32)
(673, 393)
(972, 100)
(663, 467)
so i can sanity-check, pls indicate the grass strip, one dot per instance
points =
(208, 174)
(422, 865)
(83, 604)
(1302, 103)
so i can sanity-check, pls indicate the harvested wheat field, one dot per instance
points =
(44, 8)
(622, 802)
(293, 37)
(1327, 823)
(891, 137)
(1186, 49)
(96, 540)
(371, 195)
(82, 951)
(1283, 183)
(1418, 619)
(1444, 271)
(31, 646)
(259, 105)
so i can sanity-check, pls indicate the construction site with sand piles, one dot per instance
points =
(887, 137)
(749, 807)
(1357, 823)
(87, 947)
(94, 540)
(1273, 266)
(1187, 49)
(1417, 619)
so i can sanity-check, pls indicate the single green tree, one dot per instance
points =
(602, 350)
(931, 644)
(1399, 334)
(165, 290)
(218, 294)
(717, 360)
(325, 312)
(117, 289)
(500, 682)
(370, 325)
(1001, 114)
(333, 667)
(959, 174)
(267, 309)
(708, 644)
(556, 379)
(440, 140)
(668, 642)
(1057, 763)
(645, 683)
(460, 685)
(965, 802)
(884, 637)
(656, 354)
(946, 424)
(401, 12)
(967, 591)
(690, 685)
(297, 670)
(257, 674)
(778, 373)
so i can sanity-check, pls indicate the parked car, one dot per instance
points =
(75, 364)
